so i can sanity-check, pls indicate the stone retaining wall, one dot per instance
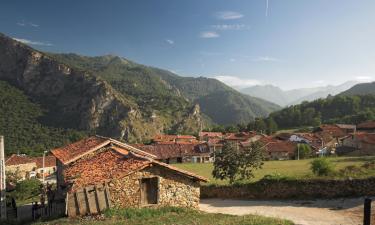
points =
(293, 189)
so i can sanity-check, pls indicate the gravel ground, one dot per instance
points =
(309, 212)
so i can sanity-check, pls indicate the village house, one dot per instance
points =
(275, 149)
(179, 152)
(49, 165)
(20, 164)
(131, 177)
(27, 167)
(368, 127)
(359, 143)
(207, 136)
(347, 128)
(166, 138)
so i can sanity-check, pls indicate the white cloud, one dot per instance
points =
(232, 59)
(34, 24)
(230, 27)
(364, 78)
(228, 15)
(29, 42)
(237, 82)
(23, 24)
(169, 41)
(209, 34)
(266, 59)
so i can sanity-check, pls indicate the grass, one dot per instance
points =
(168, 215)
(298, 169)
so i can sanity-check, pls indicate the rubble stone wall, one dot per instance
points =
(293, 189)
(173, 189)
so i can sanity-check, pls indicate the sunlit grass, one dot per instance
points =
(299, 169)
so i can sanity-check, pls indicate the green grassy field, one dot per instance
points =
(168, 215)
(299, 169)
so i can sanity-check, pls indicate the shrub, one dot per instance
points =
(322, 167)
(369, 165)
(351, 170)
(274, 176)
(26, 189)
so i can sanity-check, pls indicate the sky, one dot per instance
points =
(288, 43)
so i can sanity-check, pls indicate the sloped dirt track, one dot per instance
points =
(309, 212)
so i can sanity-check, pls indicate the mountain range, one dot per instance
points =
(116, 97)
(295, 96)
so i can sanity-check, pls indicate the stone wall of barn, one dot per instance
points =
(173, 189)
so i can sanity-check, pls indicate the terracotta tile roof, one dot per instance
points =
(74, 151)
(18, 160)
(368, 138)
(281, 146)
(332, 130)
(366, 125)
(102, 167)
(242, 136)
(49, 161)
(346, 126)
(113, 163)
(211, 134)
(176, 150)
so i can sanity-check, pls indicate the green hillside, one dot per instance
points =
(337, 109)
(360, 89)
(154, 88)
(21, 128)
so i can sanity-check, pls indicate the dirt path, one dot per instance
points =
(316, 212)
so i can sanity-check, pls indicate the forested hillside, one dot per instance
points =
(21, 128)
(360, 89)
(337, 109)
(154, 88)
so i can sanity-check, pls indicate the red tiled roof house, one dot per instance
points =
(133, 177)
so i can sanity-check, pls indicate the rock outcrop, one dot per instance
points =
(74, 98)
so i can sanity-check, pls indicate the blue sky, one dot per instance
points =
(292, 43)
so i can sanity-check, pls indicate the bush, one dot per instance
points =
(351, 170)
(369, 165)
(274, 176)
(322, 167)
(26, 189)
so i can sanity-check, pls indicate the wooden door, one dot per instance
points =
(149, 191)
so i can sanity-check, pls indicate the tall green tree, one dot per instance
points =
(237, 164)
(303, 151)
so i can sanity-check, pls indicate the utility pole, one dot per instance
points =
(44, 159)
(3, 205)
(298, 150)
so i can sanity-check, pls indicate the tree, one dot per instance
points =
(234, 164)
(304, 151)
(271, 126)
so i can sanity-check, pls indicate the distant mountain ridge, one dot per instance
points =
(291, 97)
(360, 89)
(116, 97)
(219, 102)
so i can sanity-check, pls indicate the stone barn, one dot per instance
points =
(131, 177)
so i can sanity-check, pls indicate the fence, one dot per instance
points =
(52, 209)
(89, 200)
